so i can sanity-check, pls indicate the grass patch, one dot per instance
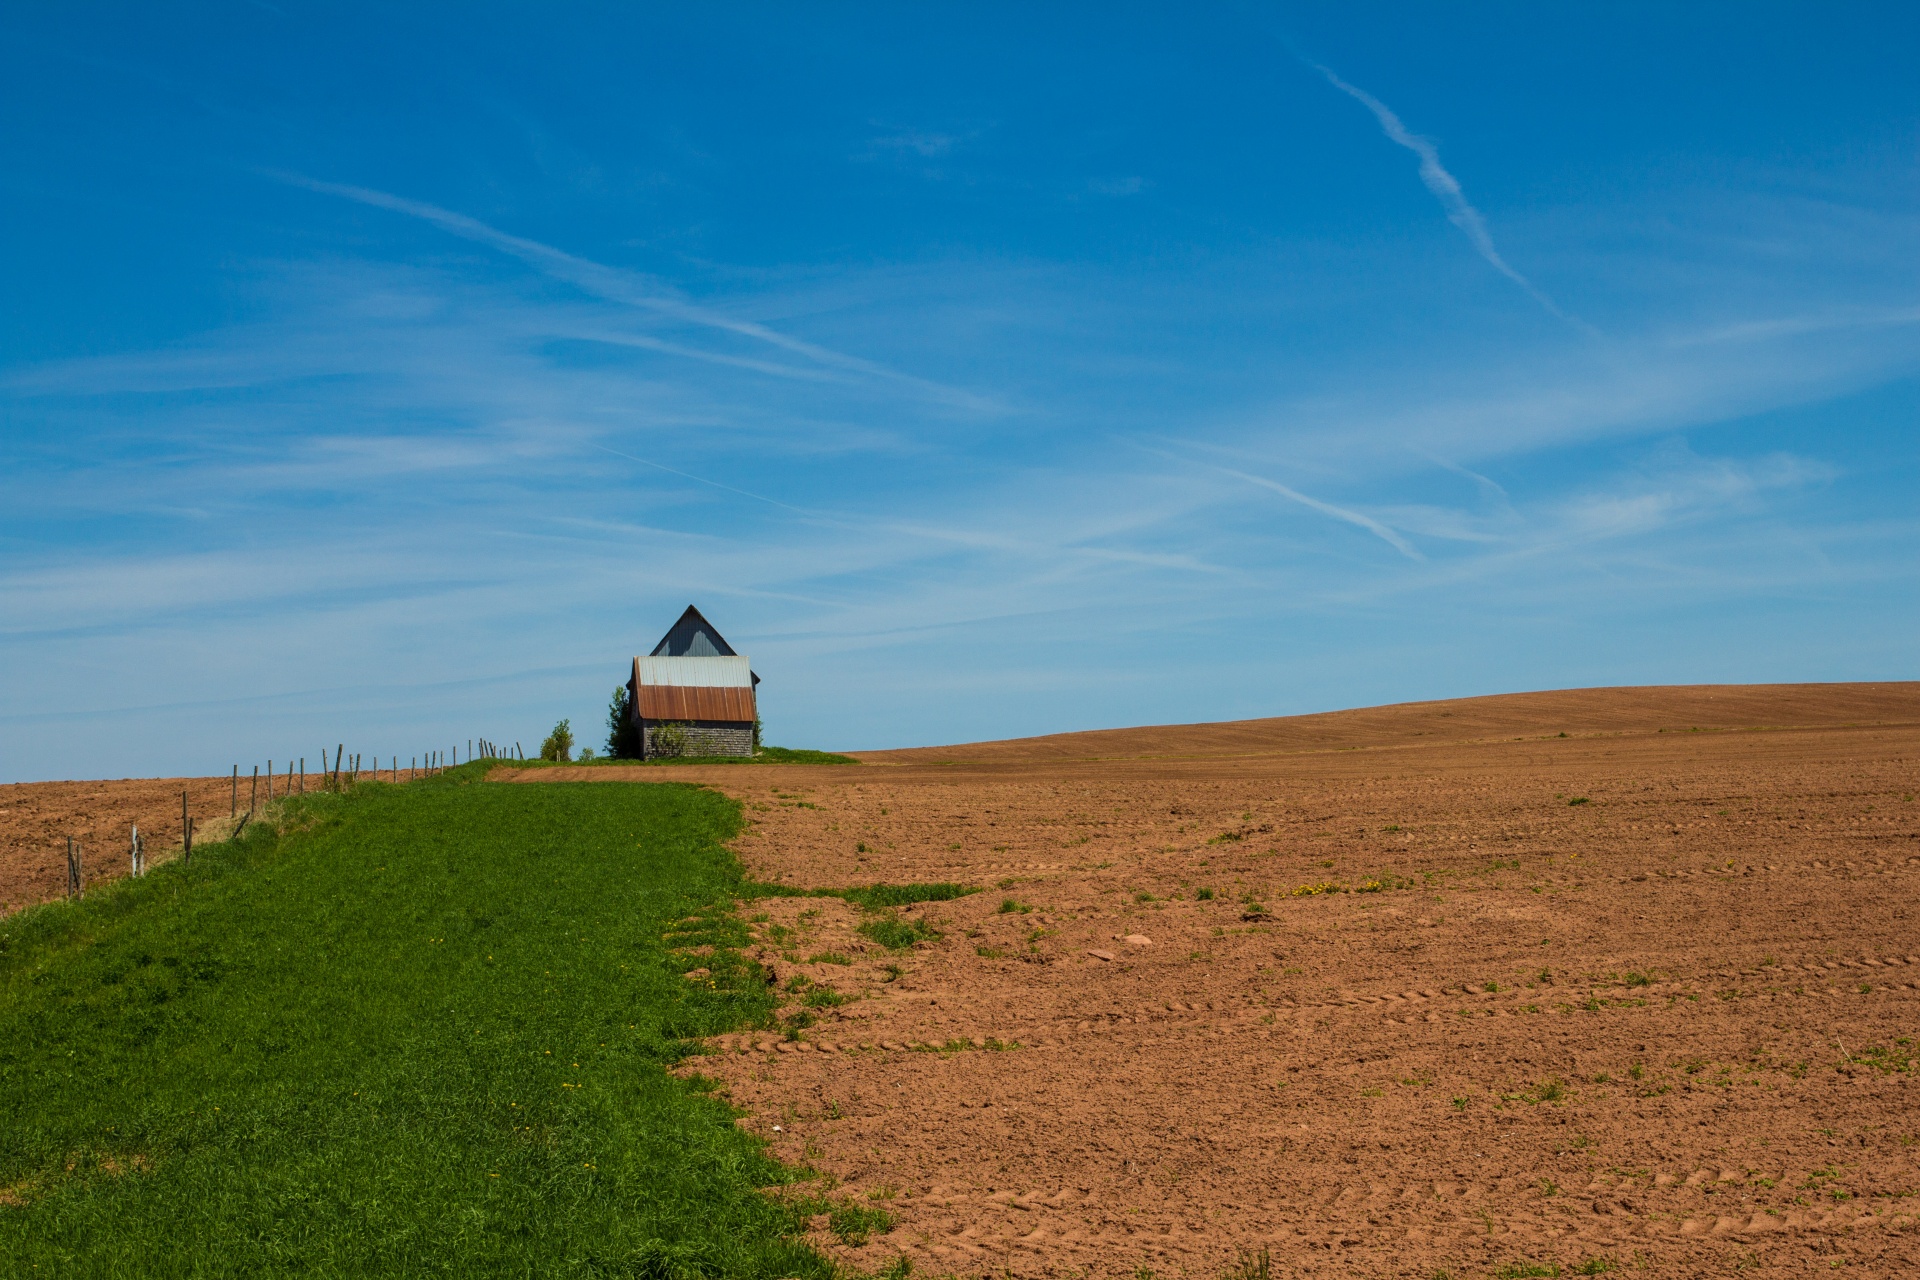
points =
(897, 934)
(421, 1030)
(855, 1223)
(874, 897)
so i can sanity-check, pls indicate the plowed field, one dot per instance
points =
(1613, 977)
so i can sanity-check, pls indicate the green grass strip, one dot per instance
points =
(874, 897)
(420, 1032)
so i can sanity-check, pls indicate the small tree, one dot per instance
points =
(756, 733)
(559, 743)
(669, 740)
(623, 735)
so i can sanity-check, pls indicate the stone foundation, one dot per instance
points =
(705, 738)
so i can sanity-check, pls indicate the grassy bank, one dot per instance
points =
(420, 1032)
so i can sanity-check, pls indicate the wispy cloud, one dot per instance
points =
(1834, 321)
(921, 142)
(1446, 189)
(1355, 518)
(629, 288)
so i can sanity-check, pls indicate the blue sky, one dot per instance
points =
(393, 377)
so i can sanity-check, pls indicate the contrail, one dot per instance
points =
(1368, 523)
(613, 284)
(1445, 188)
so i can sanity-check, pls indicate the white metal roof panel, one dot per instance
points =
(696, 673)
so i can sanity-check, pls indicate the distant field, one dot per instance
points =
(421, 1033)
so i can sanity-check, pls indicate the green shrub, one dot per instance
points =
(669, 741)
(558, 744)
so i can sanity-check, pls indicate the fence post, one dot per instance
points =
(253, 796)
(338, 751)
(269, 781)
(234, 800)
(186, 821)
(303, 775)
(135, 852)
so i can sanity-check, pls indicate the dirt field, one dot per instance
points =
(37, 817)
(1468, 996)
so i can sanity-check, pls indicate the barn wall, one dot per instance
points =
(709, 738)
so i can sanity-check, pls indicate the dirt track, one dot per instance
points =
(1669, 1026)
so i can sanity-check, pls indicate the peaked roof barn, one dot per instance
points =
(695, 679)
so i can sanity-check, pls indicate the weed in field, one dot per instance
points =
(1203, 895)
(897, 934)
(989, 953)
(1251, 1266)
(1596, 1266)
(1579, 800)
(828, 957)
(1009, 906)
(855, 1223)
(1525, 1270)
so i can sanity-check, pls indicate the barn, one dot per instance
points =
(693, 695)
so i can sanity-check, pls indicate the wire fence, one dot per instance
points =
(267, 784)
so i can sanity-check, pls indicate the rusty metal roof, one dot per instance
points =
(695, 702)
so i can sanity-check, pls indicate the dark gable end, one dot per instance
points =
(692, 637)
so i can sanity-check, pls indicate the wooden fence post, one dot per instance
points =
(253, 796)
(186, 822)
(234, 800)
(136, 850)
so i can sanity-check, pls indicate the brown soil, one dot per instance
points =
(1667, 1028)
(37, 817)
